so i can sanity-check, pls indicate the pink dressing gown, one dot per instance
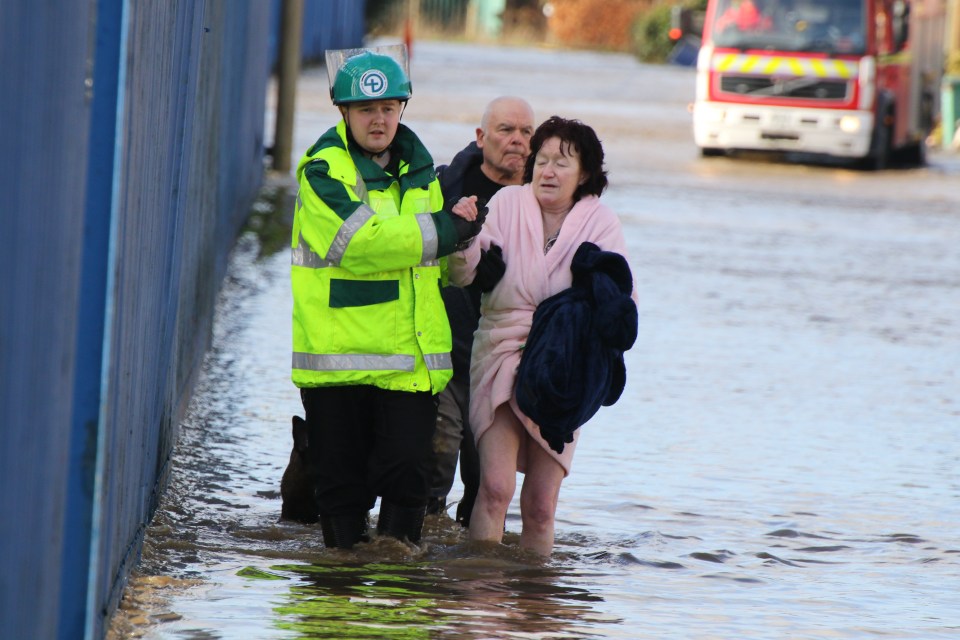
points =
(515, 224)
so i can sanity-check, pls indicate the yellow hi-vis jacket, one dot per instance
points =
(366, 270)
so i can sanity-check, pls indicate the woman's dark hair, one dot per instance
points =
(583, 139)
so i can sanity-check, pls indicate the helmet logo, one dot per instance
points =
(373, 83)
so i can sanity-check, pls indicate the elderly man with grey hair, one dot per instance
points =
(494, 160)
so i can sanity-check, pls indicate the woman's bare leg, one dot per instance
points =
(538, 499)
(498, 448)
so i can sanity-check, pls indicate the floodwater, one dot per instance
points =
(784, 462)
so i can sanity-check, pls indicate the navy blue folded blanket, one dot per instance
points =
(572, 362)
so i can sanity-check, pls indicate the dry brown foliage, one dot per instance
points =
(597, 24)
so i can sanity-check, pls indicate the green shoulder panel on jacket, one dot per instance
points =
(331, 147)
(333, 192)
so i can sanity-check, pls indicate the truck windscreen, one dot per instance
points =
(827, 26)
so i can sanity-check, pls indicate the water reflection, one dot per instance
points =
(444, 594)
(769, 475)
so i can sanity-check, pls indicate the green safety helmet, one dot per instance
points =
(370, 76)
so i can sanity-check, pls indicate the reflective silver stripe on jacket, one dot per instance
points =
(438, 361)
(303, 256)
(367, 362)
(302, 252)
(346, 232)
(361, 189)
(431, 242)
(353, 362)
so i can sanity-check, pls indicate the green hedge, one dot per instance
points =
(651, 30)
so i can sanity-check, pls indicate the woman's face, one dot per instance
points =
(374, 123)
(556, 175)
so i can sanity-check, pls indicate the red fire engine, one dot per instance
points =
(854, 79)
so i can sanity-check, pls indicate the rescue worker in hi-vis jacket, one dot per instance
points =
(371, 340)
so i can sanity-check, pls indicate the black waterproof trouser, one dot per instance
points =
(372, 442)
(452, 437)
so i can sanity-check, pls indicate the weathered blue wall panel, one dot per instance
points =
(327, 24)
(161, 61)
(191, 162)
(103, 80)
(131, 146)
(331, 25)
(44, 111)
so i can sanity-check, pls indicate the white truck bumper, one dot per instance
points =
(835, 132)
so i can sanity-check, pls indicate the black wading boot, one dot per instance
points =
(297, 487)
(344, 531)
(435, 505)
(465, 509)
(403, 523)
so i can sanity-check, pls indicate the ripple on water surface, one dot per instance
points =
(693, 511)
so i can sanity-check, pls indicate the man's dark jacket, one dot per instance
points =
(573, 359)
(462, 304)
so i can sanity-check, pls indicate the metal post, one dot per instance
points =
(953, 36)
(411, 25)
(291, 36)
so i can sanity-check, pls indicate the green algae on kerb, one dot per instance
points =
(271, 215)
(255, 573)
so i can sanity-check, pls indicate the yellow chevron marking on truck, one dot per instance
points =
(845, 69)
(769, 65)
(723, 63)
(750, 64)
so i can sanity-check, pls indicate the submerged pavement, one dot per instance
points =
(783, 462)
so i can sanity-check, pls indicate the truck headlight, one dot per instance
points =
(849, 124)
(716, 116)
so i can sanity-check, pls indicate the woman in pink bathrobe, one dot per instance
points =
(539, 227)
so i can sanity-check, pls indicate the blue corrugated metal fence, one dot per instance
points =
(326, 25)
(131, 146)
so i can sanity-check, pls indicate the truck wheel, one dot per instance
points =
(711, 152)
(914, 154)
(879, 158)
